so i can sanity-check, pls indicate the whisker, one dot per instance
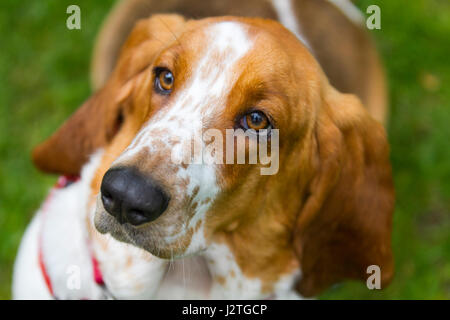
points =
(170, 30)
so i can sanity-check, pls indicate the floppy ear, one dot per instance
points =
(345, 224)
(92, 126)
(97, 121)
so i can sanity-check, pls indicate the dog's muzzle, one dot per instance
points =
(131, 197)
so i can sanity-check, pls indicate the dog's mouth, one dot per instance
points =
(165, 237)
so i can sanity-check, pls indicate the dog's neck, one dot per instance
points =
(241, 271)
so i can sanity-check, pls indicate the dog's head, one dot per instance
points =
(326, 194)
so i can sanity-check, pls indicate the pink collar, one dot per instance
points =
(63, 182)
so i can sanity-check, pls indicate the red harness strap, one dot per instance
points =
(65, 181)
(44, 272)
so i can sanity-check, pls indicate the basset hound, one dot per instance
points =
(138, 225)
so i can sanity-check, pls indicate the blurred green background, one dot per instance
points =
(44, 77)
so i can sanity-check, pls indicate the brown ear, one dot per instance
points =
(92, 126)
(96, 122)
(345, 224)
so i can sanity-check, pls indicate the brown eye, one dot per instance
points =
(163, 81)
(255, 120)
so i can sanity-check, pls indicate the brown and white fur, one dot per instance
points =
(228, 231)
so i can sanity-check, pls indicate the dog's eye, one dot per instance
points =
(164, 80)
(255, 120)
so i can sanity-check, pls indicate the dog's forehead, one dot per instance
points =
(218, 53)
(215, 69)
(222, 45)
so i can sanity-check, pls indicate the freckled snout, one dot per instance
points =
(132, 197)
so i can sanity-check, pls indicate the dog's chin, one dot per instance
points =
(105, 223)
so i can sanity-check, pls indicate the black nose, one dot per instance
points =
(130, 197)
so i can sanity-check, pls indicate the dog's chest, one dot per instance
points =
(187, 278)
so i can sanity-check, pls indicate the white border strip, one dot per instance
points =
(350, 10)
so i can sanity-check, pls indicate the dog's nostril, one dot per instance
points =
(107, 201)
(106, 194)
(136, 217)
(130, 197)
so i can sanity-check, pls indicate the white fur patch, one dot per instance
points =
(236, 285)
(129, 272)
(283, 289)
(28, 282)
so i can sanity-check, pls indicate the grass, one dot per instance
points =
(44, 71)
